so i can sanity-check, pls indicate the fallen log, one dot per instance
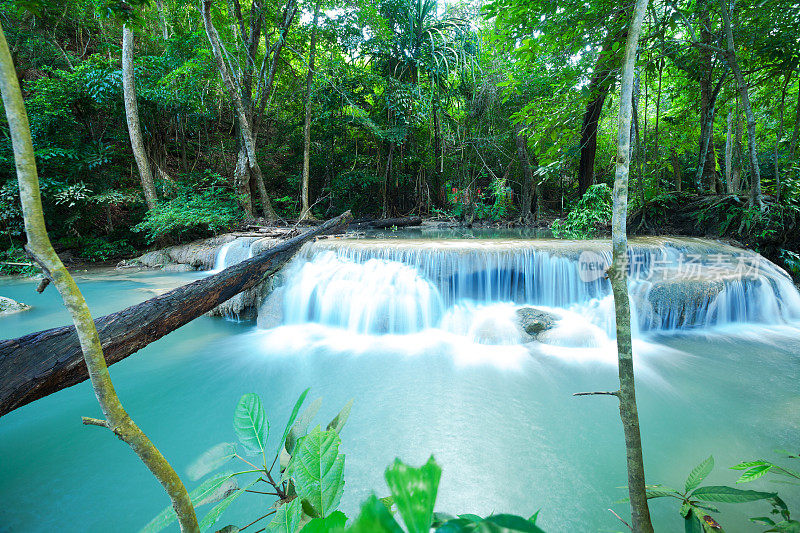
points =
(384, 223)
(41, 363)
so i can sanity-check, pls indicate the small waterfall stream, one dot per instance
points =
(473, 287)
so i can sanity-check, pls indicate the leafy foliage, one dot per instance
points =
(194, 212)
(589, 217)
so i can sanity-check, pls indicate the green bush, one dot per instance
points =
(592, 213)
(196, 211)
(23, 264)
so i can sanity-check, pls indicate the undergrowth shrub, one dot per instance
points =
(198, 210)
(592, 213)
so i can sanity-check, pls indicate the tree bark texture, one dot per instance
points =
(599, 86)
(305, 212)
(244, 122)
(640, 512)
(132, 117)
(755, 172)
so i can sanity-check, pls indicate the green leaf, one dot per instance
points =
(293, 416)
(211, 490)
(763, 520)
(333, 523)
(754, 473)
(729, 494)
(458, 525)
(287, 519)
(374, 518)
(317, 468)
(691, 524)
(250, 423)
(414, 491)
(211, 459)
(508, 522)
(699, 473)
(339, 421)
(787, 526)
(748, 464)
(213, 515)
(299, 428)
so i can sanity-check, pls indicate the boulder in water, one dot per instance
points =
(534, 321)
(9, 306)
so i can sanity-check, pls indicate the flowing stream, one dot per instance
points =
(424, 334)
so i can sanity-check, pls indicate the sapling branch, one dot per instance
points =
(259, 518)
(88, 421)
(620, 519)
(608, 393)
(248, 462)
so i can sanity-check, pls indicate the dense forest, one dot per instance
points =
(497, 111)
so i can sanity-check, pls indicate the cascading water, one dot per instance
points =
(472, 287)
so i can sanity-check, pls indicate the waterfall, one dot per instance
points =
(473, 287)
(232, 252)
(222, 254)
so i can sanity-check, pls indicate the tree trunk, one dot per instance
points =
(793, 143)
(677, 172)
(658, 113)
(88, 349)
(738, 167)
(39, 364)
(729, 154)
(385, 183)
(132, 117)
(755, 185)
(527, 175)
(599, 85)
(305, 212)
(637, 138)
(705, 176)
(779, 136)
(241, 115)
(640, 512)
(241, 181)
(162, 20)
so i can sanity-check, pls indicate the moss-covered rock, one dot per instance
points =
(9, 306)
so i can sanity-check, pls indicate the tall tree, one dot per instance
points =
(132, 117)
(730, 56)
(617, 273)
(244, 121)
(116, 418)
(603, 78)
(305, 211)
